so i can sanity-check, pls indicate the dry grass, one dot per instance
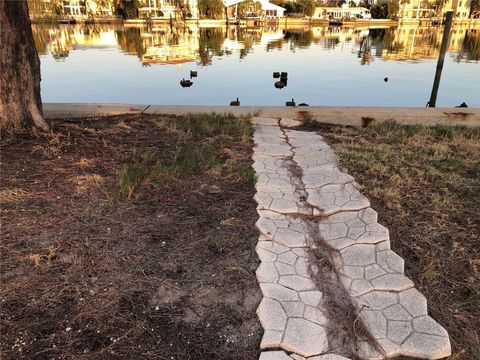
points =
(84, 163)
(163, 270)
(87, 182)
(13, 195)
(425, 184)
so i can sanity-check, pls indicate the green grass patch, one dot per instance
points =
(201, 143)
(447, 163)
(212, 125)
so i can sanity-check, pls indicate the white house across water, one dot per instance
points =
(341, 13)
(268, 10)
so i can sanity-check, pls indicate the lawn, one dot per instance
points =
(130, 237)
(425, 184)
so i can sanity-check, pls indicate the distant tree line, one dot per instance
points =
(211, 9)
(385, 10)
(305, 7)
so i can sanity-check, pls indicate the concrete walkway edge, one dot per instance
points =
(353, 116)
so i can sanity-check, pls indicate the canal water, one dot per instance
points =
(326, 65)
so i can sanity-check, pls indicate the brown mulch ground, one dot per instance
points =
(425, 184)
(92, 271)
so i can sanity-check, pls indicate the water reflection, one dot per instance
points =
(326, 65)
(165, 45)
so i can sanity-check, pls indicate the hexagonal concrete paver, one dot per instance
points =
(298, 176)
(305, 337)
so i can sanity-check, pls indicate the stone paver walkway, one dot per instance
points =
(307, 204)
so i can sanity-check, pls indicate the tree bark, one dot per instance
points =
(20, 101)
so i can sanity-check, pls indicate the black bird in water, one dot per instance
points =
(235, 102)
(276, 75)
(193, 74)
(302, 104)
(385, 79)
(279, 84)
(185, 83)
(462, 105)
(290, 103)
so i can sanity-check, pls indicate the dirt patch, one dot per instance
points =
(425, 184)
(121, 240)
(461, 115)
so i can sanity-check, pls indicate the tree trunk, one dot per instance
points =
(20, 102)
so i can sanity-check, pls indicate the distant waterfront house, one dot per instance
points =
(166, 9)
(84, 8)
(267, 10)
(341, 13)
(76, 9)
(157, 9)
(100, 8)
(461, 8)
(419, 9)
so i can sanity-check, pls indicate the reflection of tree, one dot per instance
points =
(61, 54)
(40, 36)
(330, 43)
(364, 53)
(210, 44)
(248, 38)
(54, 38)
(179, 44)
(130, 40)
(91, 30)
(389, 43)
(275, 44)
(470, 50)
(299, 39)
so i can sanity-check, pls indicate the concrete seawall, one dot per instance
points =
(353, 116)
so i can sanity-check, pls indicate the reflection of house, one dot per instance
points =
(410, 42)
(339, 13)
(62, 39)
(341, 34)
(166, 9)
(162, 46)
(267, 9)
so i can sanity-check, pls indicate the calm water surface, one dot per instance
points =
(326, 66)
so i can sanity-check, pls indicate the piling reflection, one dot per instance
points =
(171, 45)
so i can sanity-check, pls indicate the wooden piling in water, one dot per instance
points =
(441, 58)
